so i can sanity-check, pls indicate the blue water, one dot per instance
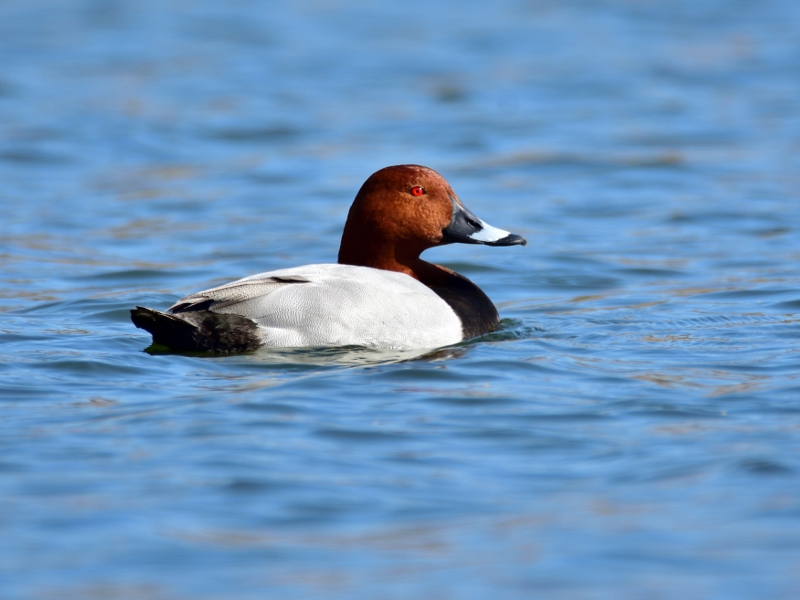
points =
(631, 431)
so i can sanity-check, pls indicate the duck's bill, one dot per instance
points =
(466, 228)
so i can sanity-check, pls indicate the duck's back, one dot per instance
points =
(334, 305)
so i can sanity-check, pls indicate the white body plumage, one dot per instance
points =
(336, 305)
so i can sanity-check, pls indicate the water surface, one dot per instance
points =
(632, 429)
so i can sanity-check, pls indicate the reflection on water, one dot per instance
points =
(346, 355)
(630, 430)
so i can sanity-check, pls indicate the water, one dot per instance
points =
(633, 428)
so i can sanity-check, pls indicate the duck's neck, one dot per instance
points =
(477, 313)
(389, 259)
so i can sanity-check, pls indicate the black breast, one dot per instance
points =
(477, 313)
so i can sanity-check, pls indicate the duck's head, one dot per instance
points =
(403, 210)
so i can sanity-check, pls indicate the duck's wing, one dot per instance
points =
(230, 295)
(218, 320)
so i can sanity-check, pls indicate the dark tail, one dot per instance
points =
(198, 331)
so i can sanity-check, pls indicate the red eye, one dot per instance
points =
(417, 191)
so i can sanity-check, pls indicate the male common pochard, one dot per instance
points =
(381, 294)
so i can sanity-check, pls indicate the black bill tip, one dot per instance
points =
(512, 239)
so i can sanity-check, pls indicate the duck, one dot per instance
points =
(379, 294)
